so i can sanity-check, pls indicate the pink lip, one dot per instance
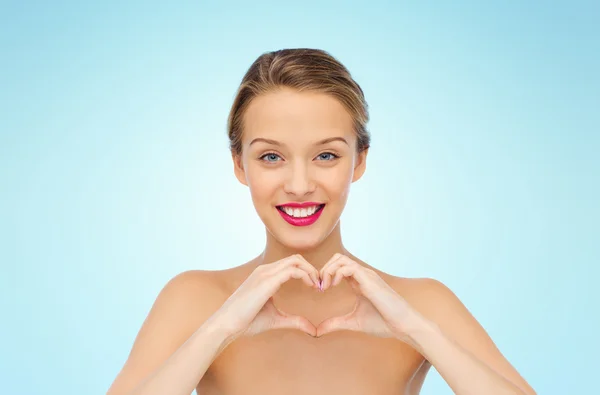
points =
(311, 219)
(300, 205)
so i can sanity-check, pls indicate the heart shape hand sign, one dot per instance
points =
(378, 311)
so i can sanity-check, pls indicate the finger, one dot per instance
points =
(341, 272)
(314, 273)
(334, 258)
(332, 270)
(292, 261)
(294, 272)
(335, 324)
(328, 270)
(290, 321)
(346, 267)
(299, 261)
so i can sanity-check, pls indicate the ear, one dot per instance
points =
(360, 166)
(238, 168)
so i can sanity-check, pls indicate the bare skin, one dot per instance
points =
(291, 362)
(300, 147)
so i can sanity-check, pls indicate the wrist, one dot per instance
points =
(418, 331)
(219, 329)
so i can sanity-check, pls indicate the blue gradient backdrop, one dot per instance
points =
(115, 174)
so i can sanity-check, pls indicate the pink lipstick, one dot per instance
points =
(300, 221)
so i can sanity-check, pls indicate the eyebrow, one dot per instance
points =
(275, 142)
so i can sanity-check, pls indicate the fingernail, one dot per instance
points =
(321, 285)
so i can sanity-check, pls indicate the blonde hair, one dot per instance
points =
(303, 69)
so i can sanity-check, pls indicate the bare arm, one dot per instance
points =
(182, 372)
(177, 342)
(192, 321)
(460, 349)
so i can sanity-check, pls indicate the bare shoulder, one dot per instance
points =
(181, 307)
(192, 291)
(429, 296)
(230, 279)
(423, 293)
(419, 287)
(439, 304)
(191, 297)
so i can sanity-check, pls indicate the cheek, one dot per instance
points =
(262, 184)
(336, 181)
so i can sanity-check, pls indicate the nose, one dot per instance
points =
(299, 181)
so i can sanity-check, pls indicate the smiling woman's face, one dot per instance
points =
(298, 147)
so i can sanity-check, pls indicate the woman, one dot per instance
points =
(298, 140)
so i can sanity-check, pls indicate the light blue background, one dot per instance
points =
(115, 173)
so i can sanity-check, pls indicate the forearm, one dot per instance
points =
(464, 373)
(182, 372)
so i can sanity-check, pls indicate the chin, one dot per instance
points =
(300, 243)
(299, 238)
(302, 239)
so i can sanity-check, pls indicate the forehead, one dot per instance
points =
(286, 114)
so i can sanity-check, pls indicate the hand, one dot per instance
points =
(379, 310)
(250, 309)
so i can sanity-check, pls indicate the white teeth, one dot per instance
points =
(300, 212)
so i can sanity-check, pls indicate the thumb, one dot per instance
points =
(344, 322)
(283, 320)
(289, 321)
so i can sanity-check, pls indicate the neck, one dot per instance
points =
(317, 256)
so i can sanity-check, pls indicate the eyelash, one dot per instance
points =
(323, 153)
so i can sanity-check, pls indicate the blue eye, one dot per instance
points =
(271, 157)
(325, 155)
